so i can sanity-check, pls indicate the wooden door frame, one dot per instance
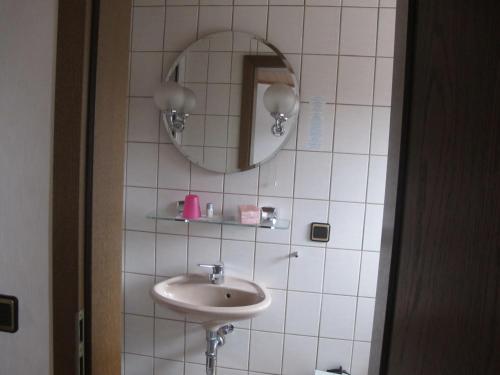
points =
(92, 71)
(394, 191)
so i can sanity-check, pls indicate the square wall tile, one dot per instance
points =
(349, 177)
(219, 67)
(325, 3)
(388, 3)
(214, 19)
(251, 19)
(356, 77)
(195, 343)
(299, 354)
(200, 91)
(316, 122)
(284, 207)
(137, 297)
(147, 27)
(250, 2)
(386, 32)
(285, 28)
(352, 129)
(338, 314)
(142, 164)
(229, 371)
(238, 257)
(346, 220)
(235, 355)
(306, 271)
(194, 132)
(273, 319)
(138, 334)
(321, 30)
(202, 250)
(216, 2)
(364, 319)
(333, 354)
(360, 358)
(163, 366)
(383, 82)
(194, 369)
(140, 252)
(138, 364)
(373, 227)
(342, 272)
(376, 179)
(196, 66)
(380, 130)
(319, 78)
(359, 31)
(271, 264)
(245, 182)
(218, 99)
(143, 120)
(302, 313)
(171, 255)
(266, 350)
(277, 175)
(369, 274)
(139, 203)
(204, 180)
(145, 73)
(305, 212)
(180, 27)
(174, 169)
(360, 3)
(169, 339)
(286, 2)
(216, 130)
(312, 178)
(214, 158)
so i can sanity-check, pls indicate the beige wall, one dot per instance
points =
(27, 60)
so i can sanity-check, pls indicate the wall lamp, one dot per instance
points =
(282, 103)
(175, 103)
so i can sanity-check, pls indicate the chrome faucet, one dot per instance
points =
(216, 276)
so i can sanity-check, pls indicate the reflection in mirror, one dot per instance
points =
(229, 101)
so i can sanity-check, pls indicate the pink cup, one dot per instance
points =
(191, 207)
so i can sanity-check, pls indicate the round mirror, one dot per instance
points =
(229, 101)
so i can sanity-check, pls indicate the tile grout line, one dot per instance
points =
(367, 188)
(331, 177)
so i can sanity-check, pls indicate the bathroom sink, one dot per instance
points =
(213, 304)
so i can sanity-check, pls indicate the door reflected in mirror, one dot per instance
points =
(229, 102)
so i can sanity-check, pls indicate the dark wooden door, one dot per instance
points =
(443, 313)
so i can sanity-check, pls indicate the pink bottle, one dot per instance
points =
(191, 207)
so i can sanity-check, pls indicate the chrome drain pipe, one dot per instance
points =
(214, 340)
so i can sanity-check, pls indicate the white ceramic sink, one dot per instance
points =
(213, 304)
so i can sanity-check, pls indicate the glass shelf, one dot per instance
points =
(279, 224)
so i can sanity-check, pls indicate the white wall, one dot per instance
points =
(332, 170)
(27, 60)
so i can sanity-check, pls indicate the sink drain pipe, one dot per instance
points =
(214, 340)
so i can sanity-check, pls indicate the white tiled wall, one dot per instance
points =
(323, 301)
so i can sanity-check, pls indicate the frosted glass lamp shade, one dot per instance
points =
(169, 96)
(189, 100)
(280, 98)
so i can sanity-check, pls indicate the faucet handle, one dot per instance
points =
(216, 267)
